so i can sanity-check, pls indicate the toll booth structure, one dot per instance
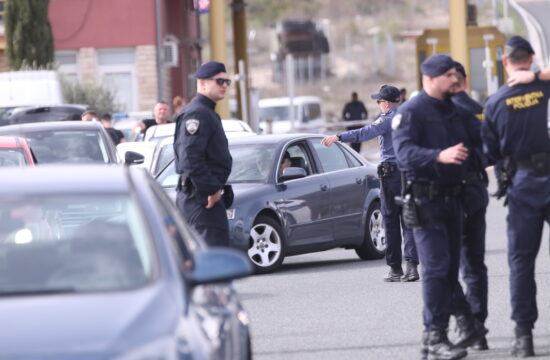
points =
(483, 42)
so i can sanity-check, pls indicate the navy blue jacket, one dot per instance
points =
(355, 110)
(381, 128)
(422, 128)
(516, 123)
(201, 146)
(467, 103)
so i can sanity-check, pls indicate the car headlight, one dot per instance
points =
(230, 214)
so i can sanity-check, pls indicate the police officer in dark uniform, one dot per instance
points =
(354, 110)
(515, 128)
(472, 254)
(203, 158)
(432, 138)
(388, 99)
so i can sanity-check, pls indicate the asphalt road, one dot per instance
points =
(331, 305)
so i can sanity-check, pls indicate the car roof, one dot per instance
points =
(270, 139)
(285, 101)
(51, 125)
(61, 180)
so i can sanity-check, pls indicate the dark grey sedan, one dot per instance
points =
(328, 198)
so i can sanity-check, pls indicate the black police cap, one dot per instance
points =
(388, 93)
(517, 42)
(459, 68)
(209, 69)
(437, 65)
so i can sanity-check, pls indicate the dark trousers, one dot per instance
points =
(438, 246)
(356, 145)
(472, 254)
(529, 207)
(393, 223)
(211, 223)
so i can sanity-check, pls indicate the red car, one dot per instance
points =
(15, 151)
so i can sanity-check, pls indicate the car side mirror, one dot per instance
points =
(217, 264)
(133, 158)
(292, 173)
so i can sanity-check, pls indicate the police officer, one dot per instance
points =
(354, 110)
(432, 138)
(515, 127)
(388, 99)
(475, 201)
(203, 158)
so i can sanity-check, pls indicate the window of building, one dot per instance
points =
(67, 65)
(2, 7)
(117, 74)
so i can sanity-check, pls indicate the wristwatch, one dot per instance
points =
(339, 137)
(537, 75)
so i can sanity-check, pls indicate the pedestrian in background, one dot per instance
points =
(116, 135)
(403, 95)
(390, 178)
(515, 131)
(353, 111)
(89, 115)
(203, 158)
(432, 138)
(178, 103)
(472, 254)
(161, 113)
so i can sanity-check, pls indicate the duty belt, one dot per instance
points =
(474, 176)
(539, 162)
(436, 191)
(386, 169)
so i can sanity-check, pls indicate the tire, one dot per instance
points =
(374, 240)
(266, 245)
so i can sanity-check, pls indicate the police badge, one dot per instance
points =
(396, 121)
(192, 126)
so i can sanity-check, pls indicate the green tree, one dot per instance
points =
(29, 39)
(98, 98)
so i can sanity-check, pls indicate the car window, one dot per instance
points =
(251, 162)
(352, 159)
(46, 114)
(165, 155)
(67, 146)
(314, 111)
(12, 157)
(332, 158)
(168, 177)
(298, 158)
(73, 243)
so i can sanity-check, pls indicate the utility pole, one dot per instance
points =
(458, 37)
(217, 43)
(240, 46)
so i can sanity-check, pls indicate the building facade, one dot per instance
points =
(116, 42)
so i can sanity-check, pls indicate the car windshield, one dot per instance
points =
(275, 113)
(166, 154)
(251, 163)
(12, 157)
(72, 244)
(67, 146)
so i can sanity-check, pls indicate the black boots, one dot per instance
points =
(440, 348)
(523, 343)
(470, 331)
(394, 275)
(411, 272)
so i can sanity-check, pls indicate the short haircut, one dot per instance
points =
(286, 155)
(517, 55)
(177, 101)
(354, 94)
(106, 117)
(162, 102)
(89, 112)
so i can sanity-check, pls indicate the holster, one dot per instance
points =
(228, 196)
(385, 169)
(414, 216)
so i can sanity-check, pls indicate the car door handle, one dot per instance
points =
(324, 187)
(359, 181)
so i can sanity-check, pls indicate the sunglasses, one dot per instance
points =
(221, 81)
(380, 101)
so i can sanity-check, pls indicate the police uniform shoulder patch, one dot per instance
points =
(379, 120)
(396, 121)
(192, 126)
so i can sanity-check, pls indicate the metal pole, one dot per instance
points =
(217, 41)
(243, 80)
(158, 30)
(290, 89)
(240, 45)
(458, 37)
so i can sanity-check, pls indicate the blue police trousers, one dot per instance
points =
(393, 223)
(472, 254)
(529, 207)
(211, 223)
(438, 246)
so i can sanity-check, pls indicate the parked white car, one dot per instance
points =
(275, 116)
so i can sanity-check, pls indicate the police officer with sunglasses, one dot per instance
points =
(203, 158)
